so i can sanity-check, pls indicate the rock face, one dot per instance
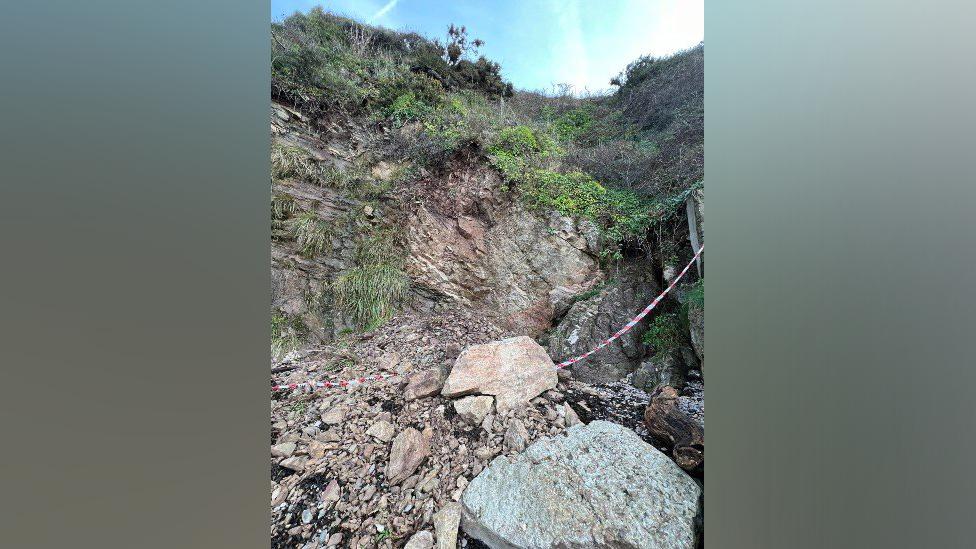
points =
(409, 450)
(600, 486)
(467, 241)
(513, 370)
(696, 321)
(590, 321)
(664, 369)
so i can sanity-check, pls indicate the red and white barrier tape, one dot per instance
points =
(344, 383)
(627, 327)
(633, 322)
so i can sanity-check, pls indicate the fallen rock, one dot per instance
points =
(421, 540)
(334, 416)
(446, 523)
(409, 450)
(600, 486)
(473, 409)
(517, 436)
(571, 417)
(423, 384)
(332, 492)
(285, 449)
(381, 430)
(513, 370)
(295, 463)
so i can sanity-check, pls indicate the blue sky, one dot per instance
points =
(540, 43)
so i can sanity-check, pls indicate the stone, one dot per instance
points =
(334, 416)
(599, 486)
(446, 523)
(473, 409)
(421, 540)
(331, 493)
(295, 463)
(571, 417)
(423, 384)
(409, 450)
(381, 430)
(513, 370)
(283, 450)
(517, 436)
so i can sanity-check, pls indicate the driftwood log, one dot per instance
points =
(678, 423)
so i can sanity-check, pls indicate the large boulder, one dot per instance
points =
(513, 370)
(590, 321)
(599, 486)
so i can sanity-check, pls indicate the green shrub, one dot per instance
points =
(312, 234)
(523, 141)
(406, 108)
(664, 333)
(573, 124)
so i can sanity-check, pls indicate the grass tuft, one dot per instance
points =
(369, 294)
(312, 234)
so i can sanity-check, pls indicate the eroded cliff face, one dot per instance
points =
(465, 242)
(485, 251)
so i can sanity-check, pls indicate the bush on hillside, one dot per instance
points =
(322, 62)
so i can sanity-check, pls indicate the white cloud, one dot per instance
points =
(383, 11)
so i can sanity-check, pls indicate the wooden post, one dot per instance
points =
(693, 231)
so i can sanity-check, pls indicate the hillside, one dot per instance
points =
(421, 207)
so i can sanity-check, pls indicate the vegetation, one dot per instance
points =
(287, 334)
(321, 62)
(371, 292)
(312, 234)
(664, 333)
(625, 161)
(696, 293)
(290, 162)
(283, 206)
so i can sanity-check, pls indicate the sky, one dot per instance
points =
(540, 43)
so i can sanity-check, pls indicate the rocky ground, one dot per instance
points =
(386, 463)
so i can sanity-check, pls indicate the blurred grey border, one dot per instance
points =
(841, 200)
(136, 286)
(134, 223)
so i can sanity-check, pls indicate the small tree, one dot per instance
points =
(458, 45)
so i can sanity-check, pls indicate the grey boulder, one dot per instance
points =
(599, 486)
